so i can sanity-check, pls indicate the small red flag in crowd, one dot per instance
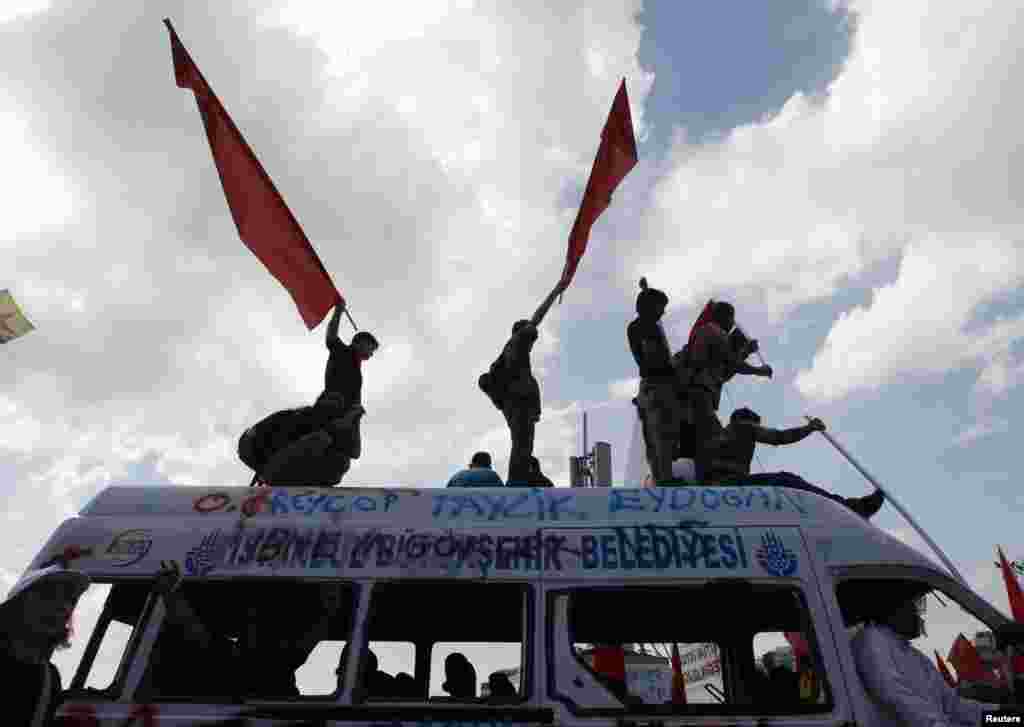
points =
(616, 156)
(678, 680)
(967, 661)
(264, 222)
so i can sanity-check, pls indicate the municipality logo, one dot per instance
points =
(201, 559)
(775, 557)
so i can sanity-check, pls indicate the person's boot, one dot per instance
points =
(866, 506)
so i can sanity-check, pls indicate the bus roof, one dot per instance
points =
(370, 531)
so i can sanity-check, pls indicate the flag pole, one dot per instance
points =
(898, 506)
(349, 316)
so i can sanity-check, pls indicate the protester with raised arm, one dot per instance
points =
(512, 387)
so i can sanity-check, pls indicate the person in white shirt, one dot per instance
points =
(903, 684)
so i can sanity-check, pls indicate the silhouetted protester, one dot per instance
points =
(460, 677)
(269, 649)
(35, 620)
(478, 474)
(729, 454)
(659, 400)
(512, 387)
(501, 687)
(903, 684)
(405, 686)
(314, 446)
(711, 359)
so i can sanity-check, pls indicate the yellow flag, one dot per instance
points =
(13, 323)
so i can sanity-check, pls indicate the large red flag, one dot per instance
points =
(944, 670)
(1013, 589)
(264, 222)
(678, 680)
(616, 156)
(967, 661)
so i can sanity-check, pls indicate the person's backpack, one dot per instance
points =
(494, 382)
(259, 442)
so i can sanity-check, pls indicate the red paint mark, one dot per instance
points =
(211, 502)
(256, 503)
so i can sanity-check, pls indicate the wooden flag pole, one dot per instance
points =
(349, 316)
(898, 506)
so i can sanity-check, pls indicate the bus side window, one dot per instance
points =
(105, 620)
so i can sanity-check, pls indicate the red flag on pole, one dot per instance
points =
(678, 680)
(944, 670)
(264, 222)
(616, 156)
(1013, 589)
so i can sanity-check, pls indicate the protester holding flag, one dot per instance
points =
(712, 360)
(903, 683)
(326, 436)
(512, 387)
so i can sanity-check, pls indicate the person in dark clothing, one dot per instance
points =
(35, 620)
(728, 456)
(460, 677)
(712, 359)
(501, 687)
(326, 437)
(518, 390)
(658, 401)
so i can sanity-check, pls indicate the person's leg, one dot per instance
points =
(663, 413)
(521, 427)
(864, 506)
(706, 426)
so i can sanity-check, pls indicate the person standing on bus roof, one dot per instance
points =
(35, 620)
(711, 360)
(478, 474)
(658, 401)
(516, 389)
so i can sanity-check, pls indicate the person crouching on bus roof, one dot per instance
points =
(323, 456)
(727, 457)
(35, 620)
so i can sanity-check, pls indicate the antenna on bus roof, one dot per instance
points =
(592, 468)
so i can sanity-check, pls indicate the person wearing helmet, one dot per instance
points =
(659, 398)
(35, 620)
(519, 397)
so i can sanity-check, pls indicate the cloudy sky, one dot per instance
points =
(842, 171)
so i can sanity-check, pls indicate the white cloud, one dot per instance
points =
(16, 9)
(912, 153)
(624, 388)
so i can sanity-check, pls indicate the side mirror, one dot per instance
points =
(1009, 634)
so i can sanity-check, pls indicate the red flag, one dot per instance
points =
(1013, 589)
(944, 670)
(616, 156)
(799, 645)
(264, 222)
(610, 661)
(967, 661)
(704, 317)
(678, 680)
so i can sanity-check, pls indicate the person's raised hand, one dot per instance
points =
(766, 371)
